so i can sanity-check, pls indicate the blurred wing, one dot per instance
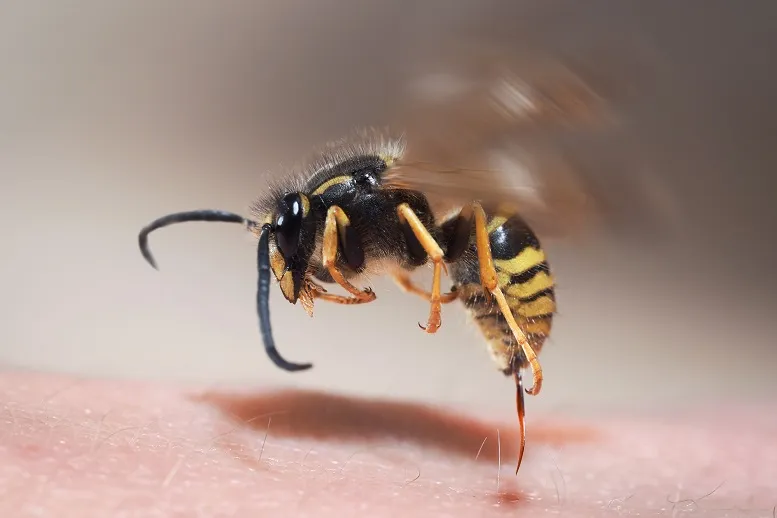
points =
(472, 96)
(543, 185)
(506, 128)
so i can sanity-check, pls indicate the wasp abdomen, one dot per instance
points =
(524, 276)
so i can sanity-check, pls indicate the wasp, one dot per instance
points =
(372, 205)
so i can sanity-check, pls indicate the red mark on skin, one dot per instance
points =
(30, 451)
(507, 497)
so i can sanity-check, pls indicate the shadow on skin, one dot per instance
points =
(323, 416)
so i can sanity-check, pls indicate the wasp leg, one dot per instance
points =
(407, 216)
(488, 279)
(319, 292)
(337, 222)
(403, 281)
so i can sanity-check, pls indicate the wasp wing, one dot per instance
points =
(519, 129)
(544, 187)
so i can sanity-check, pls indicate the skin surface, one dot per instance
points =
(84, 447)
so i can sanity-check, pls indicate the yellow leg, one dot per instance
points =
(337, 220)
(407, 285)
(406, 215)
(489, 280)
(319, 292)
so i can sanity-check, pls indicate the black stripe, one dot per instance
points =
(523, 277)
(548, 292)
(495, 315)
(476, 301)
(544, 316)
(510, 341)
(501, 318)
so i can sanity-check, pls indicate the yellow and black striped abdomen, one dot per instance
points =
(524, 275)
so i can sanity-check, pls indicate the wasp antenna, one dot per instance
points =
(521, 408)
(263, 304)
(182, 217)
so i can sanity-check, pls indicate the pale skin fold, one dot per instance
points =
(76, 447)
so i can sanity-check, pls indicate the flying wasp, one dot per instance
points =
(455, 191)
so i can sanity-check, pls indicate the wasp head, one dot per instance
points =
(293, 243)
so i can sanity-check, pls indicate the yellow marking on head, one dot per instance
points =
(495, 223)
(331, 182)
(540, 282)
(287, 287)
(528, 258)
(542, 306)
(305, 205)
(277, 263)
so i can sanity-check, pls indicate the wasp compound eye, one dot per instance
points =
(289, 225)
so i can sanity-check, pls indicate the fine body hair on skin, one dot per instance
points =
(90, 448)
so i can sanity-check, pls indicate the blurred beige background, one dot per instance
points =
(113, 113)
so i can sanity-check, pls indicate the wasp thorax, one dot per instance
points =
(288, 225)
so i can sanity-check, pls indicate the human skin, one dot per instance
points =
(78, 447)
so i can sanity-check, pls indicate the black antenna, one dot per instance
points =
(263, 303)
(263, 267)
(183, 217)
